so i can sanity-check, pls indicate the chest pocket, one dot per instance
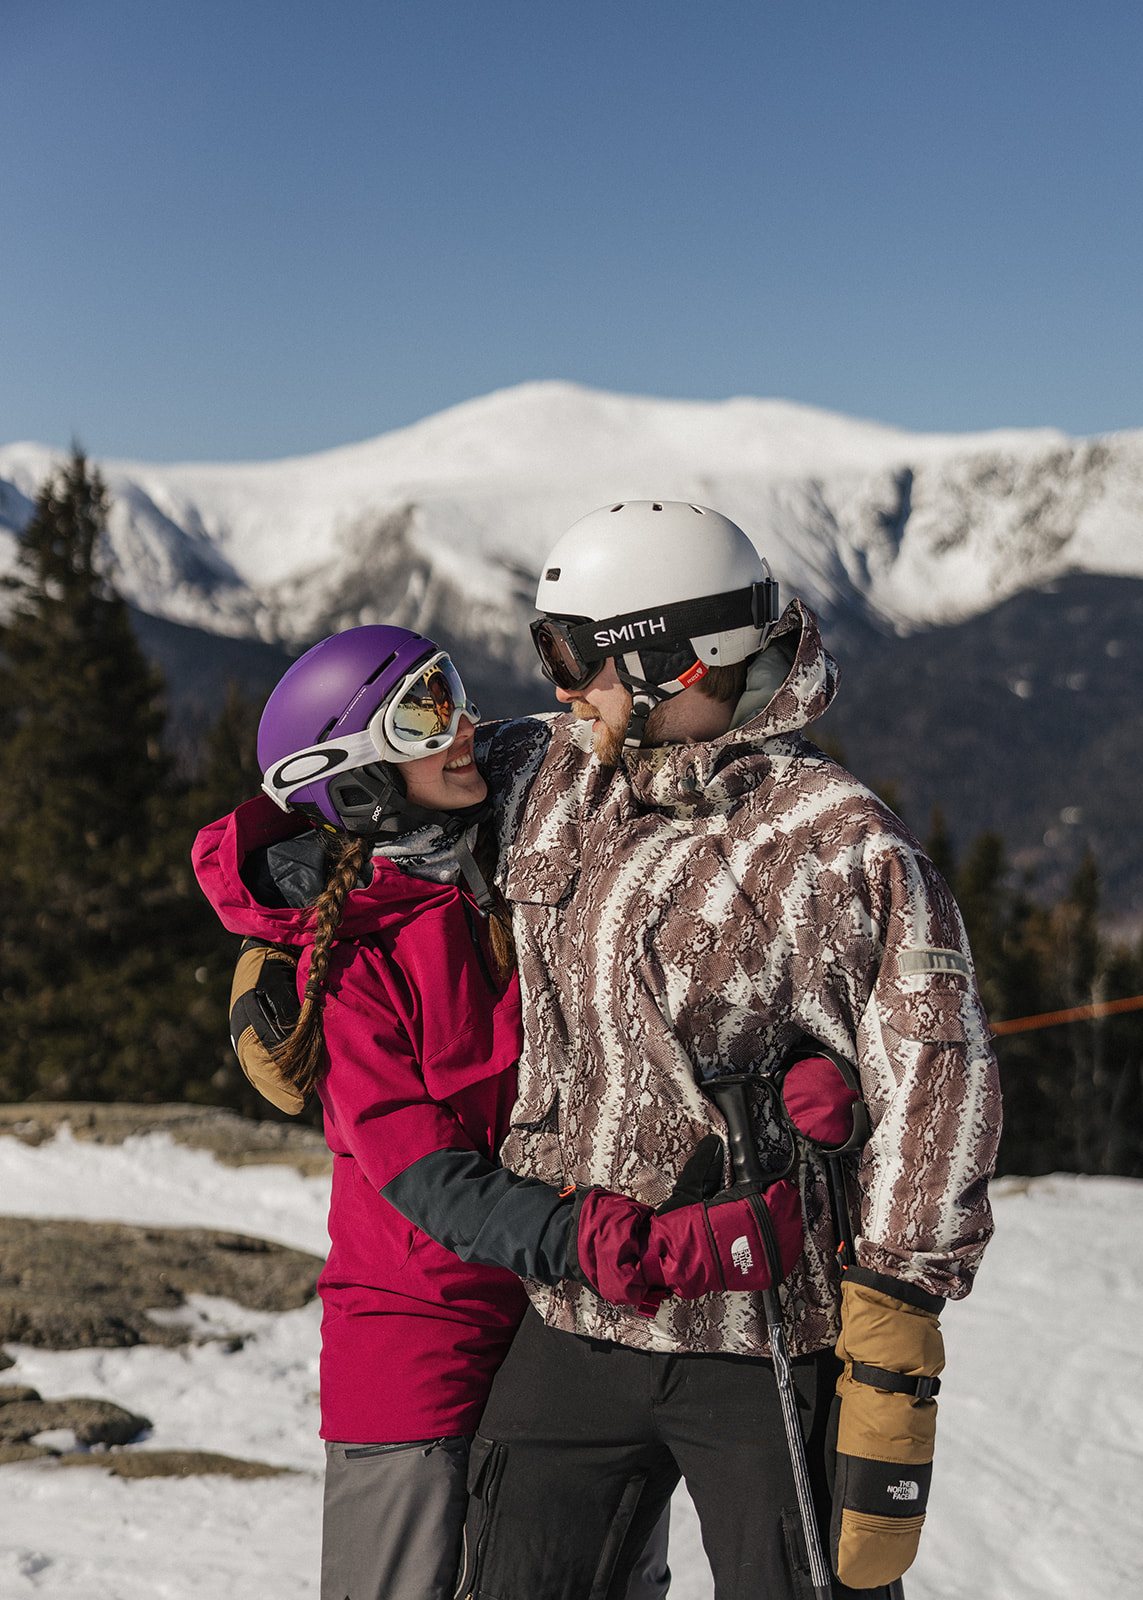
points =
(487, 1047)
(535, 881)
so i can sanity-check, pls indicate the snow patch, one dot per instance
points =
(1035, 1487)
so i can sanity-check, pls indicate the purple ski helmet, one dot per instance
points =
(345, 716)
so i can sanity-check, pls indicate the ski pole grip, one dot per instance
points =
(729, 1095)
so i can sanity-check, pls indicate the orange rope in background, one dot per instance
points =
(1049, 1019)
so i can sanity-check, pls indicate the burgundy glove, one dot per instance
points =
(629, 1254)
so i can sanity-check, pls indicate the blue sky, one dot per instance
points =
(262, 227)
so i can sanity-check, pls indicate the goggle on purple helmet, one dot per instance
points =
(364, 697)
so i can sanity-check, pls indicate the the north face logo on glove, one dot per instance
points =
(905, 1490)
(740, 1254)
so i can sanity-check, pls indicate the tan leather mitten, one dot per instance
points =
(264, 1010)
(892, 1349)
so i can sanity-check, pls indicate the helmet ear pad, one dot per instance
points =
(661, 666)
(367, 798)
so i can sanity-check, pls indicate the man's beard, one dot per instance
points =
(607, 739)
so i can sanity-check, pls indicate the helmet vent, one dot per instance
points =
(619, 507)
(699, 510)
(326, 731)
(656, 506)
(373, 676)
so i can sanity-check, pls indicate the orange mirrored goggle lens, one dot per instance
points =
(428, 706)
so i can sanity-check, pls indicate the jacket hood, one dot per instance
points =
(223, 846)
(715, 770)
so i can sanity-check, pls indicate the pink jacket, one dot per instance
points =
(422, 1050)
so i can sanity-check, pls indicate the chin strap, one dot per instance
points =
(644, 698)
(473, 876)
(642, 705)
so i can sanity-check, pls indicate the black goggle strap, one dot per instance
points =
(753, 607)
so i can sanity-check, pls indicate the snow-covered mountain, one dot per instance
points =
(973, 679)
(443, 525)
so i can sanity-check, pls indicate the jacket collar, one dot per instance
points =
(694, 778)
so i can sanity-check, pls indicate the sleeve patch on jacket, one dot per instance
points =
(912, 962)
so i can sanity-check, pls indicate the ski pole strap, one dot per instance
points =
(921, 1388)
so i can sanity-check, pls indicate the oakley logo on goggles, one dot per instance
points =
(572, 650)
(418, 718)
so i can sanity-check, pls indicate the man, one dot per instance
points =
(697, 890)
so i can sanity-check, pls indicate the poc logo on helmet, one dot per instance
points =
(740, 1254)
(905, 1490)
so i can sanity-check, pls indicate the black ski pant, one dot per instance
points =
(583, 1441)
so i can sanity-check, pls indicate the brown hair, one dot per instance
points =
(724, 683)
(298, 1059)
(500, 937)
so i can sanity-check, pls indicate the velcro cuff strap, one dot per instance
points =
(896, 1288)
(920, 1388)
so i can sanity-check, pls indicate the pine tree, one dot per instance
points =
(1073, 1092)
(939, 846)
(229, 763)
(96, 904)
(1002, 926)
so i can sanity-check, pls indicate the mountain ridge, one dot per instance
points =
(943, 567)
(905, 531)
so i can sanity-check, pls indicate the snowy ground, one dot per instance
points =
(1035, 1497)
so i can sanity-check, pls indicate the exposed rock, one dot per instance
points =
(17, 1391)
(91, 1421)
(71, 1285)
(236, 1141)
(170, 1464)
(144, 1463)
(79, 1285)
(21, 1452)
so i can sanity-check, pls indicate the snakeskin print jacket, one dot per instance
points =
(699, 910)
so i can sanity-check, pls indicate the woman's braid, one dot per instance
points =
(299, 1058)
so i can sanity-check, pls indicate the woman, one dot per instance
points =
(364, 856)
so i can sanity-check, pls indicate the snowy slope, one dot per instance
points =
(444, 524)
(1035, 1494)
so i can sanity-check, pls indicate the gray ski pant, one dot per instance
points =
(393, 1521)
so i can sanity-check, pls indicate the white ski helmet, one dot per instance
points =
(667, 588)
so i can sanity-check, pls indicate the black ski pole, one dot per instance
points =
(729, 1094)
(843, 1229)
(839, 1205)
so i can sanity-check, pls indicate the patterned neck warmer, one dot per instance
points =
(429, 852)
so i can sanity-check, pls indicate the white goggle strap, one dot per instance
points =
(317, 762)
